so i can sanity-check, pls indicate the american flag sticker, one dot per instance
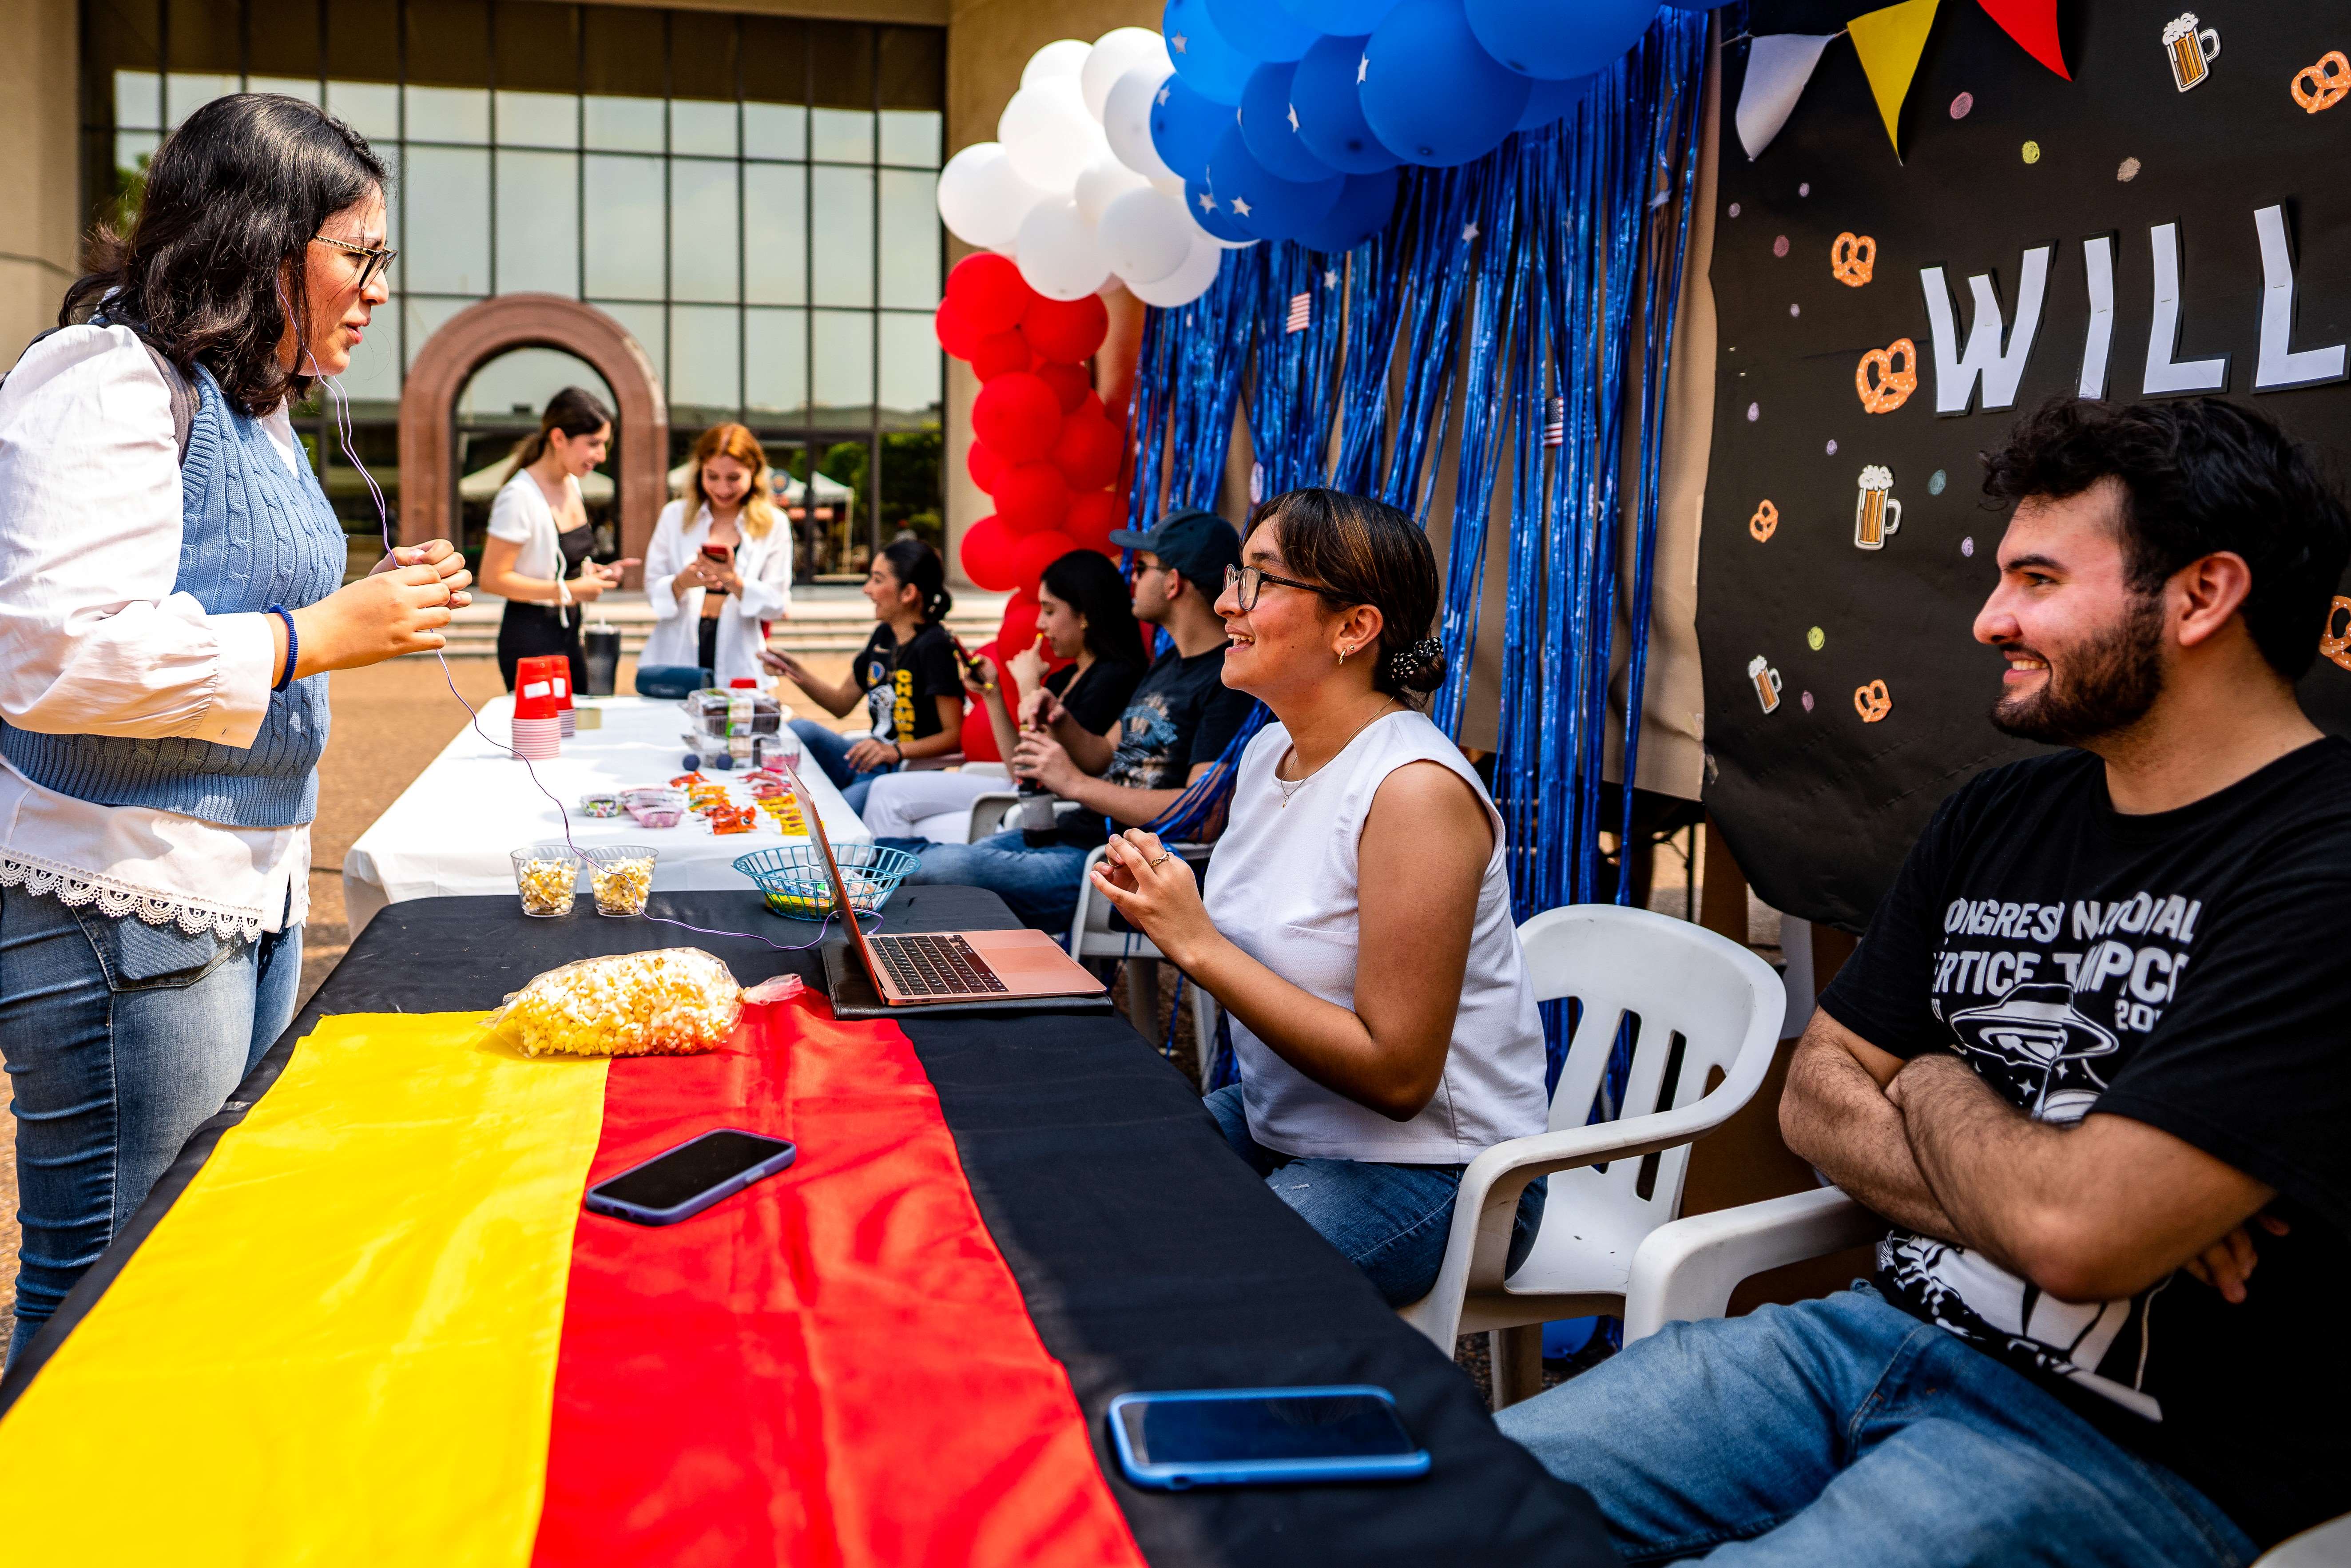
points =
(1555, 422)
(1301, 312)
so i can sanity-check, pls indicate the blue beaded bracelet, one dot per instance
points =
(293, 646)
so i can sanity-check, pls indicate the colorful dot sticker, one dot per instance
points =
(1754, 411)
(1961, 104)
(2127, 170)
(2033, 152)
(1935, 485)
(1808, 702)
(1795, 311)
(1734, 209)
(1833, 448)
(1805, 189)
(1967, 546)
(1779, 245)
(1816, 639)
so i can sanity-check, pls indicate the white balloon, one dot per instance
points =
(1143, 235)
(1126, 120)
(1103, 182)
(1057, 252)
(1115, 54)
(1186, 283)
(1062, 57)
(1048, 135)
(982, 198)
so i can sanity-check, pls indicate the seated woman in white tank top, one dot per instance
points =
(1357, 923)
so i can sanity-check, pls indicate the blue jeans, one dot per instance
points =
(1847, 1431)
(830, 748)
(1039, 885)
(1391, 1221)
(121, 1038)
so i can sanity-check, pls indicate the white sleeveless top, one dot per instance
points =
(1282, 885)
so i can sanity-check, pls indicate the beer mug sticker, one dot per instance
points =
(2323, 85)
(1766, 681)
(1875, 513)
(2191, 50)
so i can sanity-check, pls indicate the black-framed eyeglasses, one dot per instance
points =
(1247, 582)
(373, 260)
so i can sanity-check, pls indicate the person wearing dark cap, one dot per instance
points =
(1179, 721)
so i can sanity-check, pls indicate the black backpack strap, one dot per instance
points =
(182, 393)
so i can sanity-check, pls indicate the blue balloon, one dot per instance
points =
(1269, 126)
(1348, 18)
(1330, 116)
(1362, 211)
(1556, 39)
(1430, 93)
(1214, 215)
(1203, 56)
(1552, 99)
(1696, 4)
(1184, 127)
(1259, 30)
(1261, 202)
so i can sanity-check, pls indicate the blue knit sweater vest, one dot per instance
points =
(252, 535)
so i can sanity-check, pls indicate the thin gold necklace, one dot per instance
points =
(1289, 788)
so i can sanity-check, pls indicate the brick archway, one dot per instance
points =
(428, 405)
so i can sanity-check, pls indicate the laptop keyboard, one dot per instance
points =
(935, 966)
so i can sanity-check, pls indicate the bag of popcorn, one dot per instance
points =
(672, 1001)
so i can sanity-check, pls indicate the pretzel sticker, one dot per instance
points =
(2337, 647)
(1765, 522)
(1853, 259)
(2324, 84)
(1886, 377)
(1873, 702)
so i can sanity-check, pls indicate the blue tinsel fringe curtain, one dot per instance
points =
(1561, 258)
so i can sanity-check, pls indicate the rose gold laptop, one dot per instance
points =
(948, 965)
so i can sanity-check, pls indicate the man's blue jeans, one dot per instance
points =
(1389, 1220)
(1039, 885)
(1846, 1431)
(829, 748)
(121, 1038)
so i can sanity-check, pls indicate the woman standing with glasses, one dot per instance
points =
(536, 557)
(170, 599)
(1357, 925)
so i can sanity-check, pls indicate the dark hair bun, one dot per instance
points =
(1419, 668)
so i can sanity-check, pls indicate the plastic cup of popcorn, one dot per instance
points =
(622, 877)
(547, 877)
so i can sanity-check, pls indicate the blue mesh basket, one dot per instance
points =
(793, 883)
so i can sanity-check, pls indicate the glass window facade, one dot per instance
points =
(751, 196)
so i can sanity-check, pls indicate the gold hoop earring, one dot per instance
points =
(1343, 658)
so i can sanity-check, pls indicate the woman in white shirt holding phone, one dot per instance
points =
(537, 555)
(720, 563)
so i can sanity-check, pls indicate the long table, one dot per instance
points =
(451, 829)
(1145, 1255)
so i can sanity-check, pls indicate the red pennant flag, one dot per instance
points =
(2033, 24)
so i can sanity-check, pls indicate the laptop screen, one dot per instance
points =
(840, 900)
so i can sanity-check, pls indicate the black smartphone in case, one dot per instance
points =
(682, 1182)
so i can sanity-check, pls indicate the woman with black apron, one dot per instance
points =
(536, 557)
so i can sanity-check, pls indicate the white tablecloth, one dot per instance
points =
(453, 831)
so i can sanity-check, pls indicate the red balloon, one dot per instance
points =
(1069, 383)
(984, 466)
(1032, 553)
(1092, 516)
(1018, 415)
(988, 556)
(988, 290)
(1089, 449)
(1031, 497)
(957, 336)
(994, 353)
(1064, 331)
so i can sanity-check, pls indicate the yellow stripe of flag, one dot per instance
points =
(339, 1347)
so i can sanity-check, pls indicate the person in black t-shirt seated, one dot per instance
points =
(905, 675)
(2090, 1061)
(1082, 615)
(1176, 725)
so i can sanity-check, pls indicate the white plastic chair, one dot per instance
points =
(1675, 982)
(1091, 936)
(1686, 1271)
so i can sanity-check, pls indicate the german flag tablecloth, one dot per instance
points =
(366, 1320)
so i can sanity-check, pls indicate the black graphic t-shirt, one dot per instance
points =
(1181, 714)
(2186, 969)
(900, 685)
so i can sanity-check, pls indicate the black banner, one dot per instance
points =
(2134, 239)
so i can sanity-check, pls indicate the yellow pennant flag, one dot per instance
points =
(1889, 43)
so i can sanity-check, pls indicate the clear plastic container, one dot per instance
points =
(548, 878)
(623, 877)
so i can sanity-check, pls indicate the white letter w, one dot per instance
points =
(1956, 373)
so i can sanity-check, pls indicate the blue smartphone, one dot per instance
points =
(689, 1178)
(1259, 1437)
